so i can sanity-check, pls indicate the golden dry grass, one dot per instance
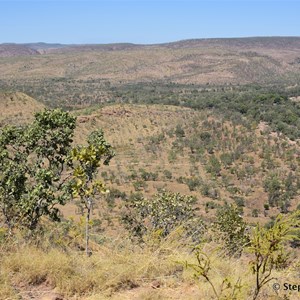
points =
(18, 108)
(120, 270)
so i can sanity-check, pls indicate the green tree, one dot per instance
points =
(231, 229)
(179, 131)
(268, 247)
(213, 167)
(86, 161)
(273, 186)
(163, 213)
(32, 164)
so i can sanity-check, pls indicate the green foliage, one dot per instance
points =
(139, 185)
(227, 159)
(231, 229)
(255, 212)
(114, 194)
(193, 183)
(239, 201)
(85, 162)
(179, 131)
(268, 247)
(163, 213)
(280, 191)
(213, 167)
(148, 176)
(205, 136)
(32, 163)
(228, 290)
(168, 174)
(273, 186)
(256, 103)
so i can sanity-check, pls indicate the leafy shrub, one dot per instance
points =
(148, 176)
(226, 159)
(239, 201)
(32, 161)
(113, 195)
(273, 186)
(231, 229)
(268, 246)
(168, 174)
(213, 167)
(193, 183)
(179, 131)
(163, 213)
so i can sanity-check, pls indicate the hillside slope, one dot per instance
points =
(198, 153)
(214, 61)
(18, 108)
(10, 50)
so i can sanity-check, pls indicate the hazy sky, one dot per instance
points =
(143, 21)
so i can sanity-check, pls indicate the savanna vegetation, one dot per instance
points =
(167, 177)
(137, 244)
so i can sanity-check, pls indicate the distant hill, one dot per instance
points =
(199, 61)
(8, 50)
(80, 75)
(249, 42)
(93, 47)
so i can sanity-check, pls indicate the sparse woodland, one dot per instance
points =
(149, 190)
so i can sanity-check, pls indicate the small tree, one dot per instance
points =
(231, 229)
(163, 213)
(213, 167)
(32, 165)
(268, 247)
(85, 161)
(203, 268)
(273, 186)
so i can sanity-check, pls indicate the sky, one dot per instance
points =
(144, 21)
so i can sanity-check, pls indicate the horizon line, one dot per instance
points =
(158, 43)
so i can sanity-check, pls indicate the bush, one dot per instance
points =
(213, 167)
(163, 213)
(239, 201)
(33, 159)
(231, 229)
(179, 131)
(193, 183)
(168, 174)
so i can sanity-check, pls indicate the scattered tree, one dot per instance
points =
(85, 161)
(32, 164)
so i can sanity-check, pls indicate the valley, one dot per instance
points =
(206, 136)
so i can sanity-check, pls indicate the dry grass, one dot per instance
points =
(18, 108)
(120, 270)
(114, 267)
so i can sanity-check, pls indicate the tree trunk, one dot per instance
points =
(87, 233)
